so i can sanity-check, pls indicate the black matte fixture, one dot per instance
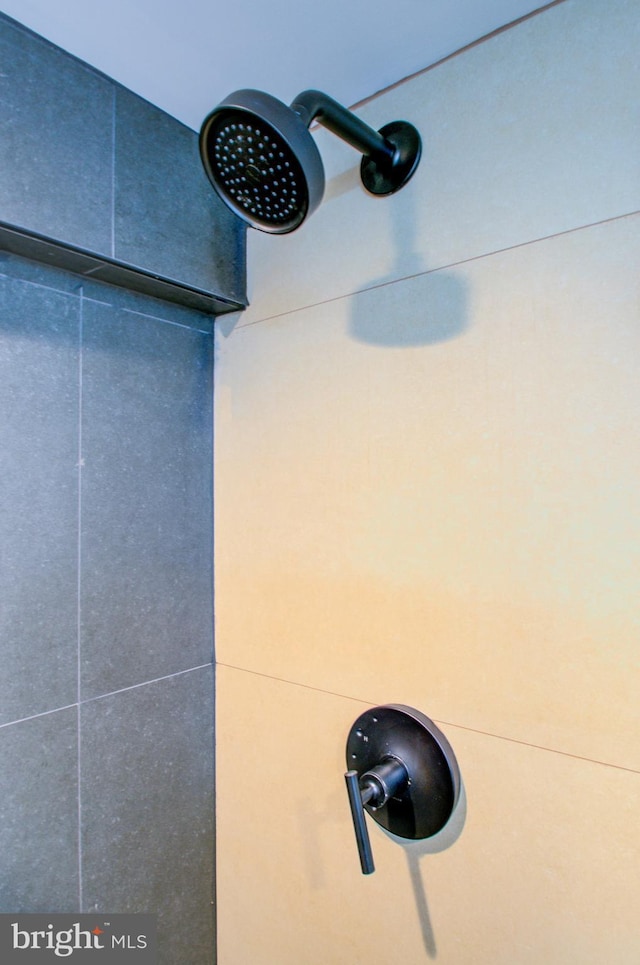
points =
(263, 162)
(403, 772)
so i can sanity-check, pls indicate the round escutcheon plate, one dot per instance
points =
(383, 178)
(427, 800)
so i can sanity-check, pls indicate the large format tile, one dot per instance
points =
(146, 499)
(39, 814)
(56, 134)
(532, 132)
(538, 864)
(89, 173)
(145, 305)
(38, 498)
(168, 219)
(147, 804)
(457, 521)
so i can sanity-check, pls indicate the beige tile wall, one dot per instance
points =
(540, 864)
(427, 493)
(530, 133)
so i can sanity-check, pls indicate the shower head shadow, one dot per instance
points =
(264, 164)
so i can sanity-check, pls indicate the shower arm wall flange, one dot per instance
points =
(390, 155)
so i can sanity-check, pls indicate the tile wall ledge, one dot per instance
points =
(56, 254)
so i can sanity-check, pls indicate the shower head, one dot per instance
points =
(263, 162)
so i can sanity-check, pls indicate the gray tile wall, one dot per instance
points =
(106, 689)
(99, 171)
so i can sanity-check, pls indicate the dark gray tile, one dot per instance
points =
(38, 498)
(146, 528)
(146, 211)
(146, 305)
(169, 292)
(44, 273)
(56, 133)
(167, 218)
(39, 814)
(147, 797)
(61, 279)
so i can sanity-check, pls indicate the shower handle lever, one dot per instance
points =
(356, 803)
(374, 788)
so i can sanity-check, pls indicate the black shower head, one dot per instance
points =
(263, 162)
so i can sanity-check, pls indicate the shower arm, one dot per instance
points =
(313, 105)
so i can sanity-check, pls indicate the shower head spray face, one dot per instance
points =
(262, 161)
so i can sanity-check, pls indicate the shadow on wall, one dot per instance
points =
(384, 311)
(415, 850)
(433, 310)
(313, 814)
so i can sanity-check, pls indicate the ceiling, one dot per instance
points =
(186, 55)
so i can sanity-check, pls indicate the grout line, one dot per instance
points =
(445, 723)
(39, 284)
(295, 683)
(80, 861)
(539, 747)
(112, 693)
(456, 53)
(113, 173)
(44, 713)
(166, 321)
(431, 271)
(145, 683)
(79, 596)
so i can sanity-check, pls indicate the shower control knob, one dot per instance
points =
(403, 772)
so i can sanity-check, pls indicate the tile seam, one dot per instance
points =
(79, 596)
(455, 53)
(166, 321)
(145, 683)
(112, 693)
(44, 713)
(114, 96)
(432, 271)
(40, 285)
(445, 723)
